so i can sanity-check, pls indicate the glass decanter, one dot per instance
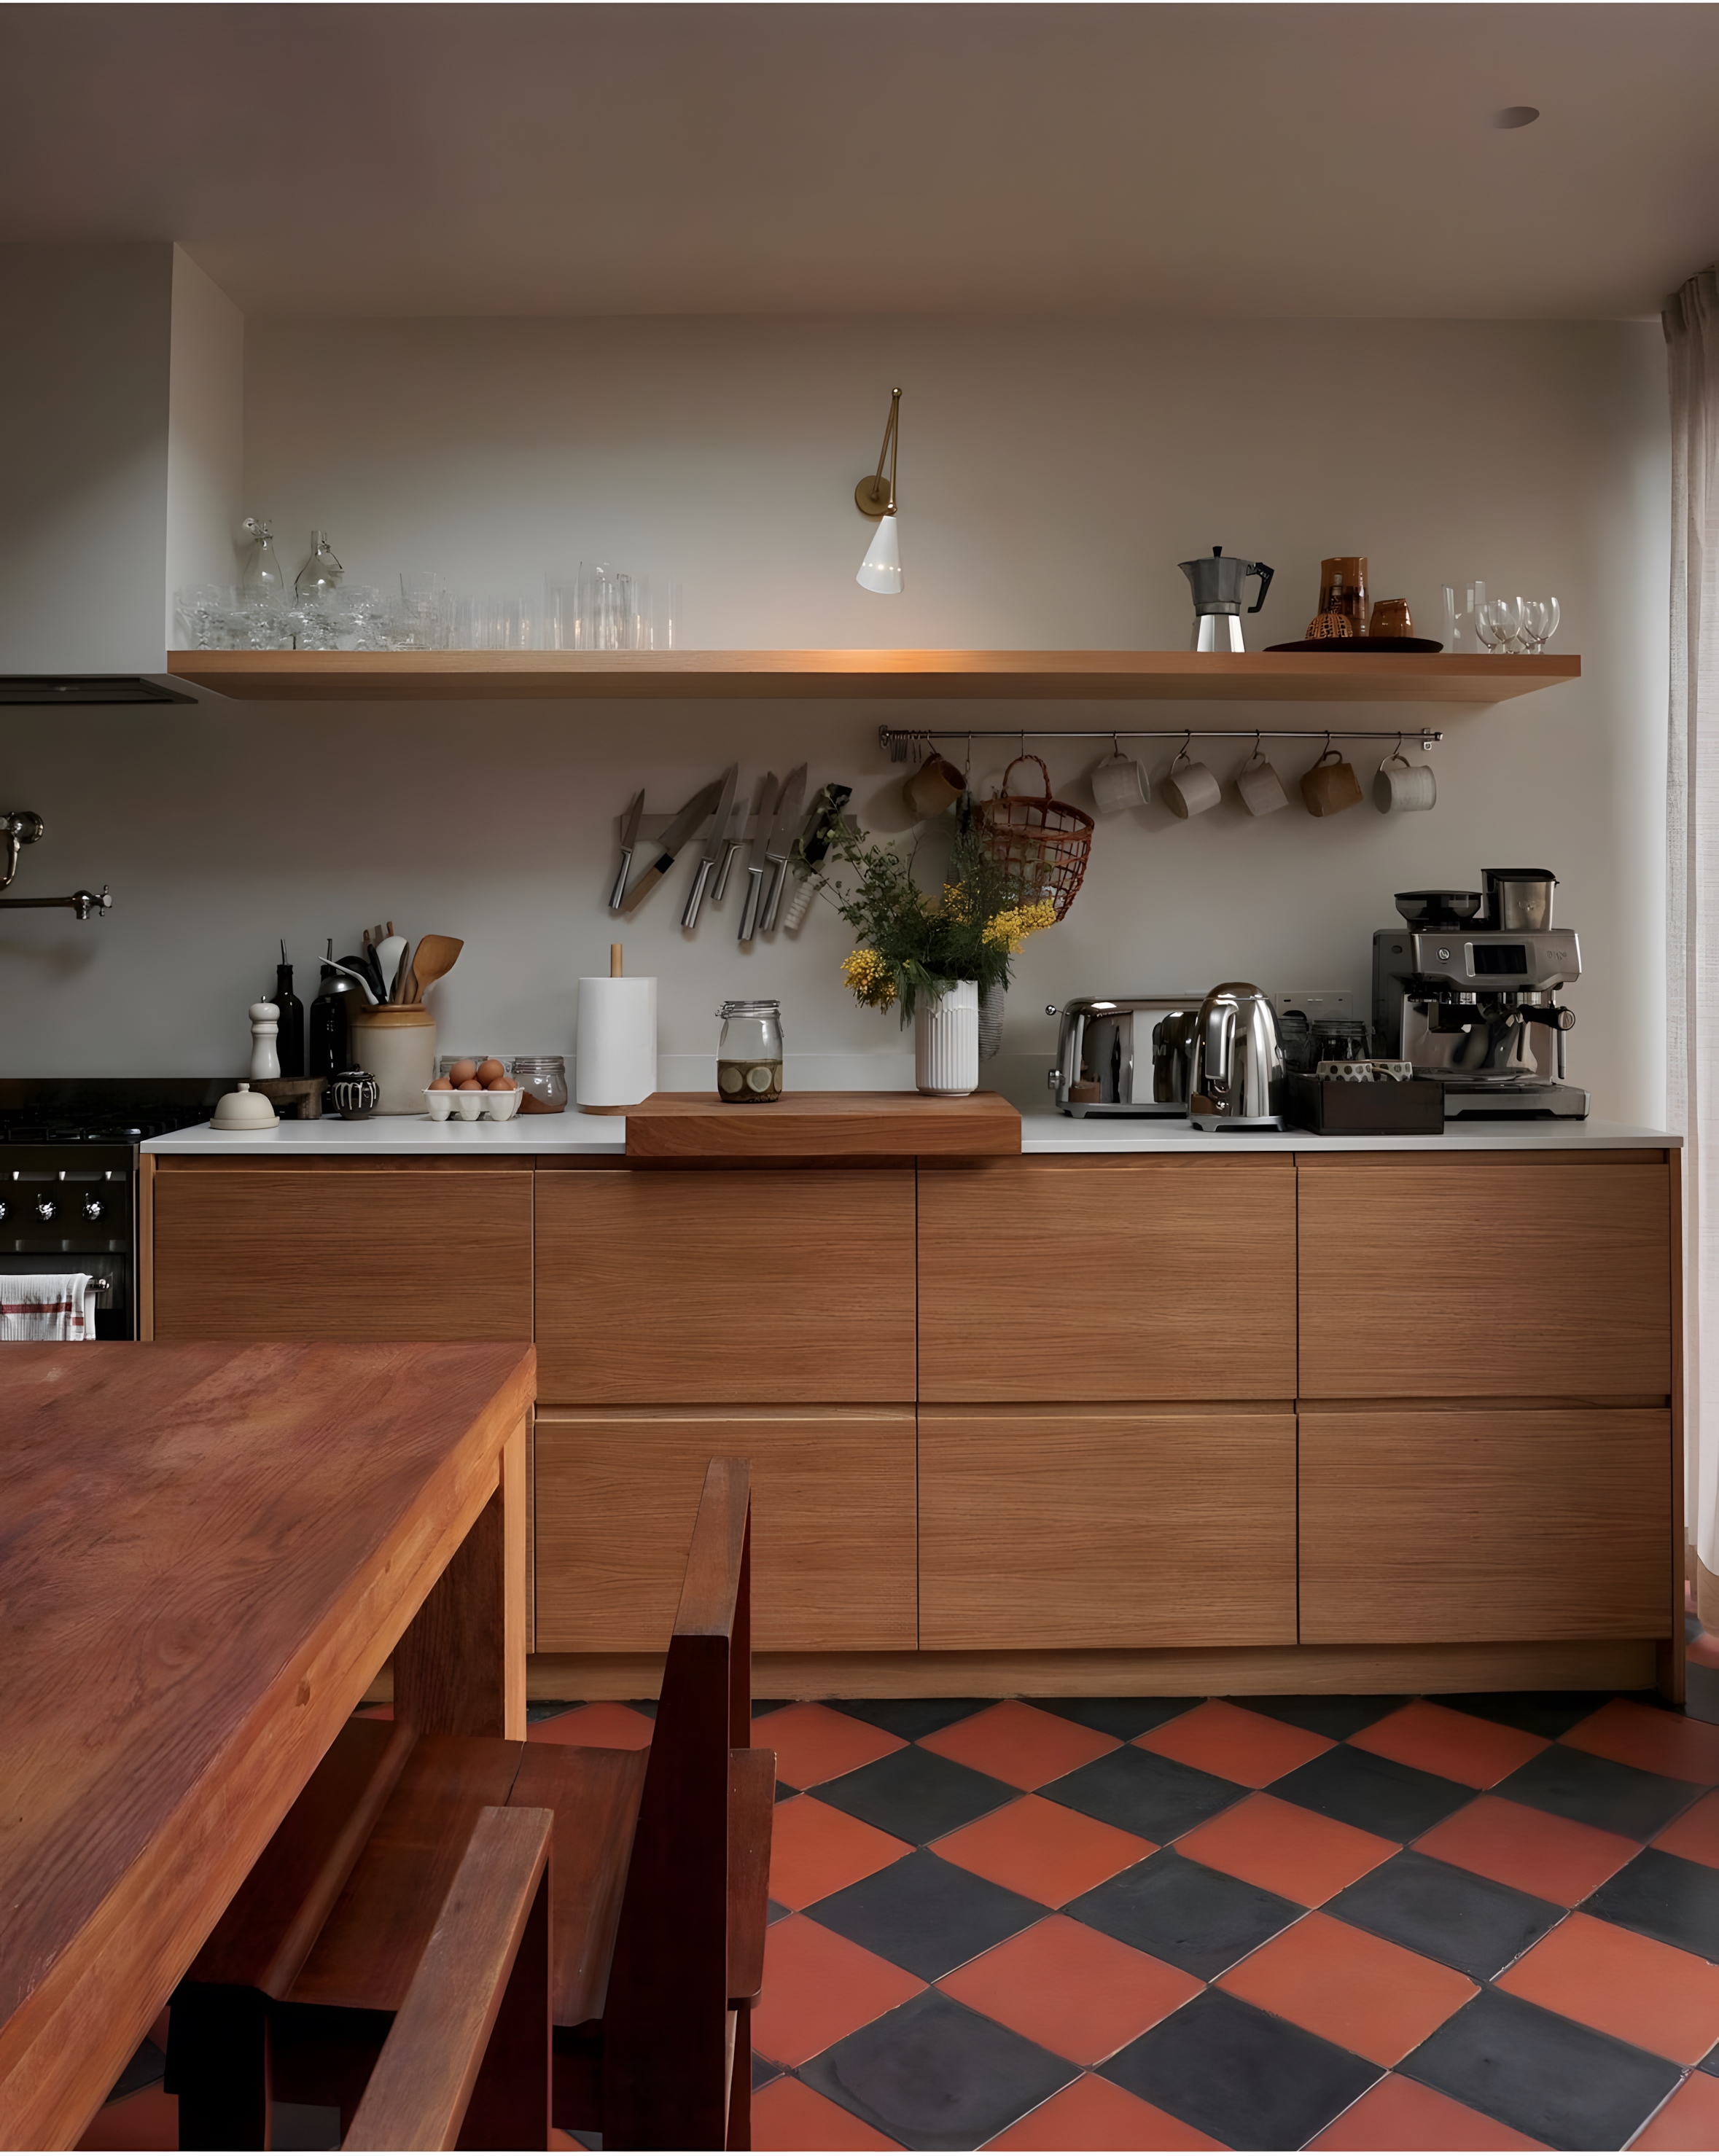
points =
(263, 578)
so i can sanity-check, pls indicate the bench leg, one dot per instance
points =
(218, 2066)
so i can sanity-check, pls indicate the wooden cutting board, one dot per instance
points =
(691, 1126)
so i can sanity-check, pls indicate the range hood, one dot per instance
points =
(44, 689)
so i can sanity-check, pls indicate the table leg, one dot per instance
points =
(460, 1667)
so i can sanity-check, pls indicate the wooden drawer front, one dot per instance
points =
(248, 1255)
(1428, 1279)
(1118, 1279)
(665, 1284)
(833, 1526)
(1075, 1527)
(1477, 1524)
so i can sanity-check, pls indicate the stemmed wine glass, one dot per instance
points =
(1540, 623)
(1498, 623)
(202, 608)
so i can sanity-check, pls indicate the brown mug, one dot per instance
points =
(1331, 786)
(1390, 618)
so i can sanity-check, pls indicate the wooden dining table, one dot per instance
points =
(207, 1553)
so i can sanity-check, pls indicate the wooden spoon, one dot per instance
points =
(435, 956)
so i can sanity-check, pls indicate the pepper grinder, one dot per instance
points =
(264, 1025)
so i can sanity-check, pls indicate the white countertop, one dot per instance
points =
(574, 1133)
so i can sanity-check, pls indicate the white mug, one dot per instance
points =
(1261, 790)
(1399, 785)
(1191, 789)
(1120, 783)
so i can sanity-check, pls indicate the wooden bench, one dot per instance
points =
(660, 1868)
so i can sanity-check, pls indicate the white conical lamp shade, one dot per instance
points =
(881, 570)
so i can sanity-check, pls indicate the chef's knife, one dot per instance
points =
(672, 839)
(786, 831)
(713, 847)
(736, 837)
(629, 840)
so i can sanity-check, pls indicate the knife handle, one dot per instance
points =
(695, 897)
(647, 883)
(754, 891)
(730, 849)
(619, 893)
(805, 891)
(778, 886)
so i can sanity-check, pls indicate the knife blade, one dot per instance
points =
(785, 832)
(672, 839)
(713, 847)
(629, 840)
(768, 798)
(736, 837)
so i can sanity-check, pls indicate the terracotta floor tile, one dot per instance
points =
(1090, 2113)
(1658, 1997)
(1689, 2119)
(609, 1723)
(1648, 1736)
(1537, 1852)
(1301, 1855)
(1234, 1741)
(787, 2114)
(817, 1850)
(815, 1744)
(1695, 1835)
(1079, 1993)
(1460, 1746)
(818, 1988)
(1396, 2113)
(148, 2119)
(1019, 1744)
(1374, 1999)
(1042, 1850)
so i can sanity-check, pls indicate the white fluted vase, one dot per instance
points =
(946, 1042)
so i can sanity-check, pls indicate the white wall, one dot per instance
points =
(1052, 477)
(205, 434)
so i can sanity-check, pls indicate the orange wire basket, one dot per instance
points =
(1039, 843)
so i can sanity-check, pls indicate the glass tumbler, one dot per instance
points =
(749, 1056)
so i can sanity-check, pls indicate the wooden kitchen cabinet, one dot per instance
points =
(1084, 1528)
(1543, 1276)
(1120, 1278)
(1495, 1523)
(832, 1533)
(713, 1286)
(348, 1252)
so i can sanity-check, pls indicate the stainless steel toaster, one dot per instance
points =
(1124, 1056)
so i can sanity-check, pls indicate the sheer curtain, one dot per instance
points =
(1691, 321)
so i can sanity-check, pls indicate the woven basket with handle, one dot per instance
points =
(1040, 844)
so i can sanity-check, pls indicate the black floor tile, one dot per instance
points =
(1243, 2077)
(915, 1795)
(1563, 2084)
(1667, 1897)
(146, 2066)
(1710, 2065)
(764, 2071)
(1143, 1795)
(1196, 1919)
(933, 2075)
(926, 1916)
(1379, 1795)
(1117, 1717)
(1577, 1785)
(775, 1913)
(1540, 1713)
(910, 1718)
(546, 1710)
(784, 1791)
(647, 1707)
(1468, 1923)
(1326, 1714)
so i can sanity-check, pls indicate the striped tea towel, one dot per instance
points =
(47, 1307)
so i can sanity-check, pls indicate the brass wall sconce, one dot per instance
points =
(875, 497)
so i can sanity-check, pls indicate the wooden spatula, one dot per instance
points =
(435, 956)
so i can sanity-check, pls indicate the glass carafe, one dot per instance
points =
(749, 1056)
(263, 578)
(319, 579)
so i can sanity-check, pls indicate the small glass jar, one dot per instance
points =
(541, 1081)
(749, 1056)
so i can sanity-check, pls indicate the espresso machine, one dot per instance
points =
(1467, 991)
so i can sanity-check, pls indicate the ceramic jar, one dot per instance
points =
(946, 1041)
(355, 1094)
(397, 1043)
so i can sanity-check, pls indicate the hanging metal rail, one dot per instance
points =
(901, 741)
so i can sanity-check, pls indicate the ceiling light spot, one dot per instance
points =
(1516, 116)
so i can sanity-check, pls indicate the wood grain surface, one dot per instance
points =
(1080, 1528)
(1116, 1279)
(210, 1551)
(763, 1285)
(690, 1127)
(1524, 1525)
(1424, 1277)
(833, 1551)
(252, 1254)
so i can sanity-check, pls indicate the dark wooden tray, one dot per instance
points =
(691, 1126)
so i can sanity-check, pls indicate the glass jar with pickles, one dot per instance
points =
(748, 1055)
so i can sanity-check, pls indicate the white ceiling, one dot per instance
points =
(1212, 160)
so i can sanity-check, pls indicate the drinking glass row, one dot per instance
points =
(1475, 623)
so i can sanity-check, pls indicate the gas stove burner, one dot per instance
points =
(126, 1126)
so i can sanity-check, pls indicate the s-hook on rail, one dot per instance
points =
(901, 741)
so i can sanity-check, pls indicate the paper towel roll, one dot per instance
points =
(614, 1050)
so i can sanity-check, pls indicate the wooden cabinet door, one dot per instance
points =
(1432, 1279)
(657, 1286)
(344, 1253)
(833, 1526)
(1498, 1523)
(1122, 1278)
(1084, 1528)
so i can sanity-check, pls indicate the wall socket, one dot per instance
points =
(1317, 1003)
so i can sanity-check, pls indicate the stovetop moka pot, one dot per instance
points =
(1217, 580)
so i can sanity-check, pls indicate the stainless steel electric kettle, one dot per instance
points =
(1217, 579)
(1238, 1080)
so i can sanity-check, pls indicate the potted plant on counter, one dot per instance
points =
(932, 956)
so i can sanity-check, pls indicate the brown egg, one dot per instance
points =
(490, 1069)
(461, 1070)
(500, 1085)
(468, 1085)
(441, 1084)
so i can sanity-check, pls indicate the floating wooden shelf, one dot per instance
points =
(1234, 677)
(698, 1126)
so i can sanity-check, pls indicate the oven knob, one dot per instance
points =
(46, 1208)
(4, 1208)
(93, 1209)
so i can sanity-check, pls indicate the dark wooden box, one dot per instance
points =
(1338, 1107)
